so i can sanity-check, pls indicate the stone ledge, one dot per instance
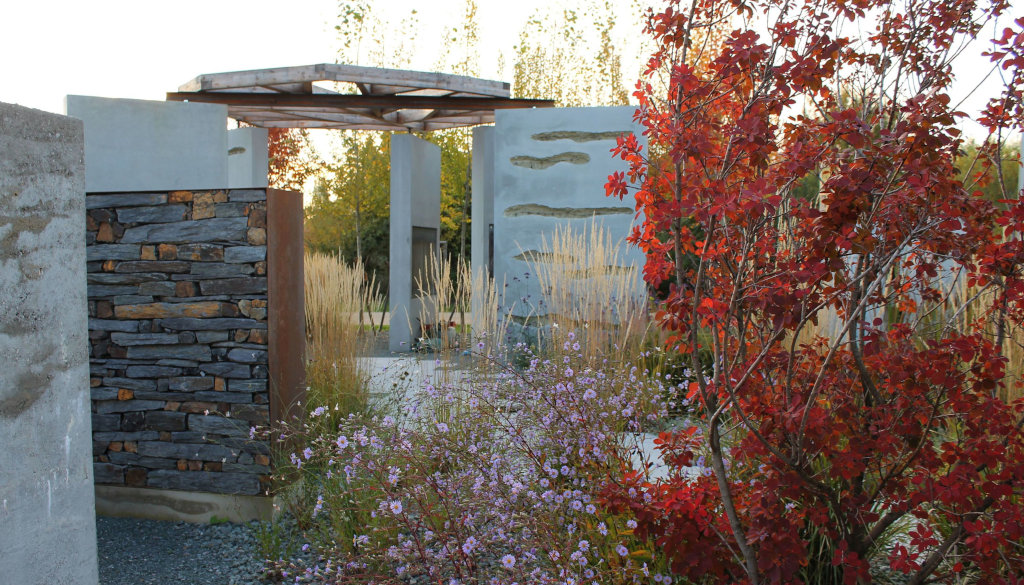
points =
(180, 506)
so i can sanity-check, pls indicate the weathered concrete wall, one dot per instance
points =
(178, 327)
(550, 169)
(47, 523)
(415, 203)
(248, 158)
(141, 145)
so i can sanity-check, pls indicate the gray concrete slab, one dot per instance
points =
(142, 145)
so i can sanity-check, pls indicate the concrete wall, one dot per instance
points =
(47, 523)
(140, 145)
(248, 158)
(550, 168)
(415, 202)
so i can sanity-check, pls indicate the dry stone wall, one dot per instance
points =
(178, 332)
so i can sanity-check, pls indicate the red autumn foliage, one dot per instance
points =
(846, 347)
(288, 169)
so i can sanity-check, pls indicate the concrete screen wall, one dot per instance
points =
(415, 207)
(140, 145)
(47, 522)
(550, 168)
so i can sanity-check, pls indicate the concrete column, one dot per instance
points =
(482, 213)
(248, 159)
(415, 211)
(47, 507)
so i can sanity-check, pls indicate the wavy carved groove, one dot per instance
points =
(545, 257)
(564, 212)
(539, 163)
(535, 257)
(578, 136)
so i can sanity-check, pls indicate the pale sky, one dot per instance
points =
(142, 48)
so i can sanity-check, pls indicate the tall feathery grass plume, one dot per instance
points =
(337, 296)
(589, 287)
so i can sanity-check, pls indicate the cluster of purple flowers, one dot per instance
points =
(492, 478)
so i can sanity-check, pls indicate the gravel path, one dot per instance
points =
(143, 552)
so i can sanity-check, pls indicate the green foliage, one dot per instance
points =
(455, 145)
(566, 54)
(276, 539)
(349, 213)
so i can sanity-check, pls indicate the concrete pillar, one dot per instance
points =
(482, 213)
(47, 507)
(415, 228)
(248, 159)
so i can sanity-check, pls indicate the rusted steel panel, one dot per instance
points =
(286, 308)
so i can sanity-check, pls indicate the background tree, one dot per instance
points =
(992, 172)
(292, 159)
(567, 52)
(349, 211)
(847, 383)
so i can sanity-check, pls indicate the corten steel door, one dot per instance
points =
(285, 303)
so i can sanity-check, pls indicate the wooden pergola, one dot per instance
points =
(310, 96)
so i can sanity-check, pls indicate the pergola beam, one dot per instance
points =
(292, 100)
(387, 99)
(340, 72)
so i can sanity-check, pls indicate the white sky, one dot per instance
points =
(143, 48)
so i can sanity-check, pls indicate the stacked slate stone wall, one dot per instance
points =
(178, 332)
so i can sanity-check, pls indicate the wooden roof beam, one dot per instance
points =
(345, 73)
(349, 101)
